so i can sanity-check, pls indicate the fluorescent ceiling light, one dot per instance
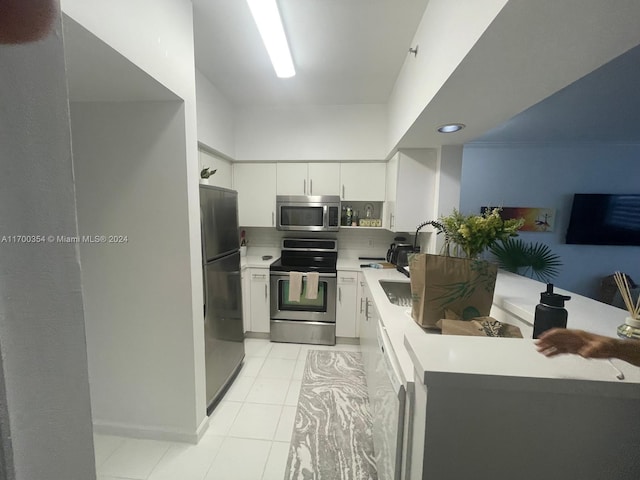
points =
(450, 128)
(267, 18)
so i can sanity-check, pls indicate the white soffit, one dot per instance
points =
(531, 51)
(96, 72)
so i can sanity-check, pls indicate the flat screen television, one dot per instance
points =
(604, 219)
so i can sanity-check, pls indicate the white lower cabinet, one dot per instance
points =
(386, 403)
(361, 299)
(391, 407)
(259, 304)
(245, 278)
(347, 304)
(368, 335)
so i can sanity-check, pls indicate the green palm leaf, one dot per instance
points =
(535, 259)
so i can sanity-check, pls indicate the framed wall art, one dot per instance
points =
(535, 219)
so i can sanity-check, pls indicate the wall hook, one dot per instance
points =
(414, 50)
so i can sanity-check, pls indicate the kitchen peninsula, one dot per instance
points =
(496, 408)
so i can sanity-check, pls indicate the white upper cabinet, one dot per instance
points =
(292, 178)
(256, 186)
(324, 178)
(308, 178)
(411, 177)
(363, 181)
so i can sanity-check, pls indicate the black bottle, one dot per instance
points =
(550, 312)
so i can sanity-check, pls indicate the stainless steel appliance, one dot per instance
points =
(315, 213)
(388, 409)
(304, 320)
(223, 330)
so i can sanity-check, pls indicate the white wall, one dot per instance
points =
(447, 194)
(446, 34)
(215, 117)
(547, 177)
(329, 132)
(46, 417)
(157, 36)
(223, 168)
(128, 157)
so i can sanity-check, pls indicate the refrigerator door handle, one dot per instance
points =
(205, 285)
(204, 261)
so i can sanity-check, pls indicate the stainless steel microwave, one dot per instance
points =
(308, 213)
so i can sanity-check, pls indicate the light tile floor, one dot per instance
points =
(249, 431)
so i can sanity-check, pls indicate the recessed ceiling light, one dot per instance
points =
(267, 18)
(451, 127)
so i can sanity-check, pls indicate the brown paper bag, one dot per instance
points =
(461, 285)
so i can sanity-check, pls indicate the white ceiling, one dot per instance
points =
(350, 52)
(345, 51)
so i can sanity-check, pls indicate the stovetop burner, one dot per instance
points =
(307, 255)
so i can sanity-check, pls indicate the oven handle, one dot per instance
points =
(286, 274)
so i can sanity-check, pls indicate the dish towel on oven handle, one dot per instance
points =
(312, 285)
(295, 286)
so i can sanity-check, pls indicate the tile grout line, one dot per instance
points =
(108, 456)
(158, 462)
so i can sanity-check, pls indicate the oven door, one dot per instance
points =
(320, 309)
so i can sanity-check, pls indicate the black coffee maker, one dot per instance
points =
(399, 251)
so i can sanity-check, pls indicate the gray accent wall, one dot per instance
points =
(547, 176)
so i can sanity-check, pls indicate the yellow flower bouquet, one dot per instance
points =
(473, 234)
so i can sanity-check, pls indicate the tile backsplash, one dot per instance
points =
(352, 242)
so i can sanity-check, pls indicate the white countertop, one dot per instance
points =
(512, 363)
(353, 264)
(519, 295)
(253, 258)
(396, 320)
(436, 355)
(493, 359)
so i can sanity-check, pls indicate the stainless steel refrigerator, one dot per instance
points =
(223, 330)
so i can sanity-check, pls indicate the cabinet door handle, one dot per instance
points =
(265, 292)
(343, 192)
(340, 294)
(311, 187)
(361, 304)
(366, 310)
(273, 219)
(391, 220)
(304, 186)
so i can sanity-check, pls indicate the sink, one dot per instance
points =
(398, 293)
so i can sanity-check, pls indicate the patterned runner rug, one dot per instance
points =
(332, 437)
